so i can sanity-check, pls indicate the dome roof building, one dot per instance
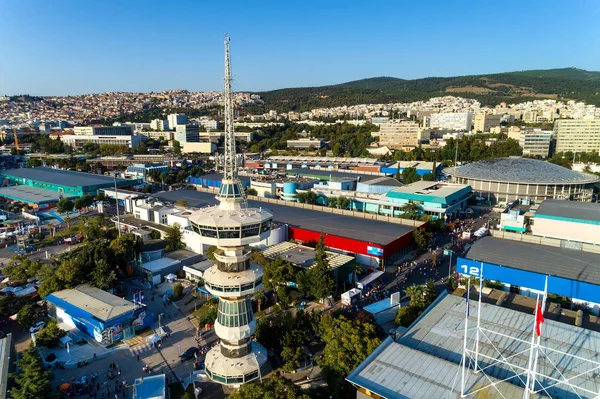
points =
(508, 179)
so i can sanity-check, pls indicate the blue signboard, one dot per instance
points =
(374, 251)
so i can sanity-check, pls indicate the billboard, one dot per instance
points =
(376, 251)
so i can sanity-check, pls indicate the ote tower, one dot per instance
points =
(231, 226)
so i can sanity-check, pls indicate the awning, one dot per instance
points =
(369, 279)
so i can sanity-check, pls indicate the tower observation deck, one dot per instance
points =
(231, 226)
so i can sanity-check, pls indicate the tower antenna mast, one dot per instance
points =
(230, 152)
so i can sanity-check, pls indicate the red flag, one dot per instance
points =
(539, 319)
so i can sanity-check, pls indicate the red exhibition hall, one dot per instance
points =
(351, 245)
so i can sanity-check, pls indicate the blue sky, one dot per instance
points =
(65, 47)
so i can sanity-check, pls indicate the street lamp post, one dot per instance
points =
(450, 264)
(159, 317)
(117, 205)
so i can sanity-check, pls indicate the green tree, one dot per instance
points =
(347, 344)
(260, 298)
(104, 275)
(210, 253)
(26, 316)
(338, 150)
(322, 284)
(410, 211)
(50, 285)
(50, 335)
(422, 238)
(416, 294)
(181, 202)
(276, 387)
(176, 148)
(177, 290)
(251, 191)
(65, 205)
(33, 380)
(410, 175)
(33, 163)
(428, 177)
(430, 292)
(174, 238)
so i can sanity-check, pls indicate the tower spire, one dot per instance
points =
(230, 153)
(231, 194)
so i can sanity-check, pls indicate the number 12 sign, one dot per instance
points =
(470, 270)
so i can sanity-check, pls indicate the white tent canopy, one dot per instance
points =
(369, 279)
(171, 276)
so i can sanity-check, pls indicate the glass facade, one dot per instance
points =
(233, 232)
(234, 379)
(234, 313)
(232, 288)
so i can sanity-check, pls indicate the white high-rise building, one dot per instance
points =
(454, 121)
(232, 226)
(159, 124)
(176, 119)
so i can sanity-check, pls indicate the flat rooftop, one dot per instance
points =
(101, 304)
(325, 174)
(555, 261)
(329, 160)
(424, 362)
(432, 188)
(157, 265)
(219, 177)
(346, 226)
(31, 195)
(62, 177)
(583, 211)
(303, 256)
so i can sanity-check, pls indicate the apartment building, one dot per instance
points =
(454, 121)
(159, 124)
(176, 119)
(577, 135)
(399, 135)
(484, 122)
(103, 130)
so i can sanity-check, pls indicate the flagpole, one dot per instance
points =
(537, 346)
(530, 363)
(478, 317)
(462, 389)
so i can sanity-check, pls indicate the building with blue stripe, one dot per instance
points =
(525, 268)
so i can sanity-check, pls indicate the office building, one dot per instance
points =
(74, 140)
(577, 135)
(399, 135)
(159, 124)
(103, 130)
(305, 144)
(453, 121)
(176, 119)
(536, 143)
(483, 122)
(143, 171)
(187, 134)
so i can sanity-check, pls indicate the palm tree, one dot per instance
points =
(260, 298)
(415, 292)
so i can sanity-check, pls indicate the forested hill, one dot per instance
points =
(562, 84)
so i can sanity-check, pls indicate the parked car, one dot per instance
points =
(188, 354)
(37, 327)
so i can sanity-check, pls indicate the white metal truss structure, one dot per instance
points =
(540, 370)
(230, 161)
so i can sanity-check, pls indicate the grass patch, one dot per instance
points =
(206, 313)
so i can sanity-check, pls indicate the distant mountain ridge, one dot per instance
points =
(489, 89)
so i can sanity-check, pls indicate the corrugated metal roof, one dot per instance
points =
(424, 361)
(101, 304)
(569, 209)
(63, 177)
(555, 261)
